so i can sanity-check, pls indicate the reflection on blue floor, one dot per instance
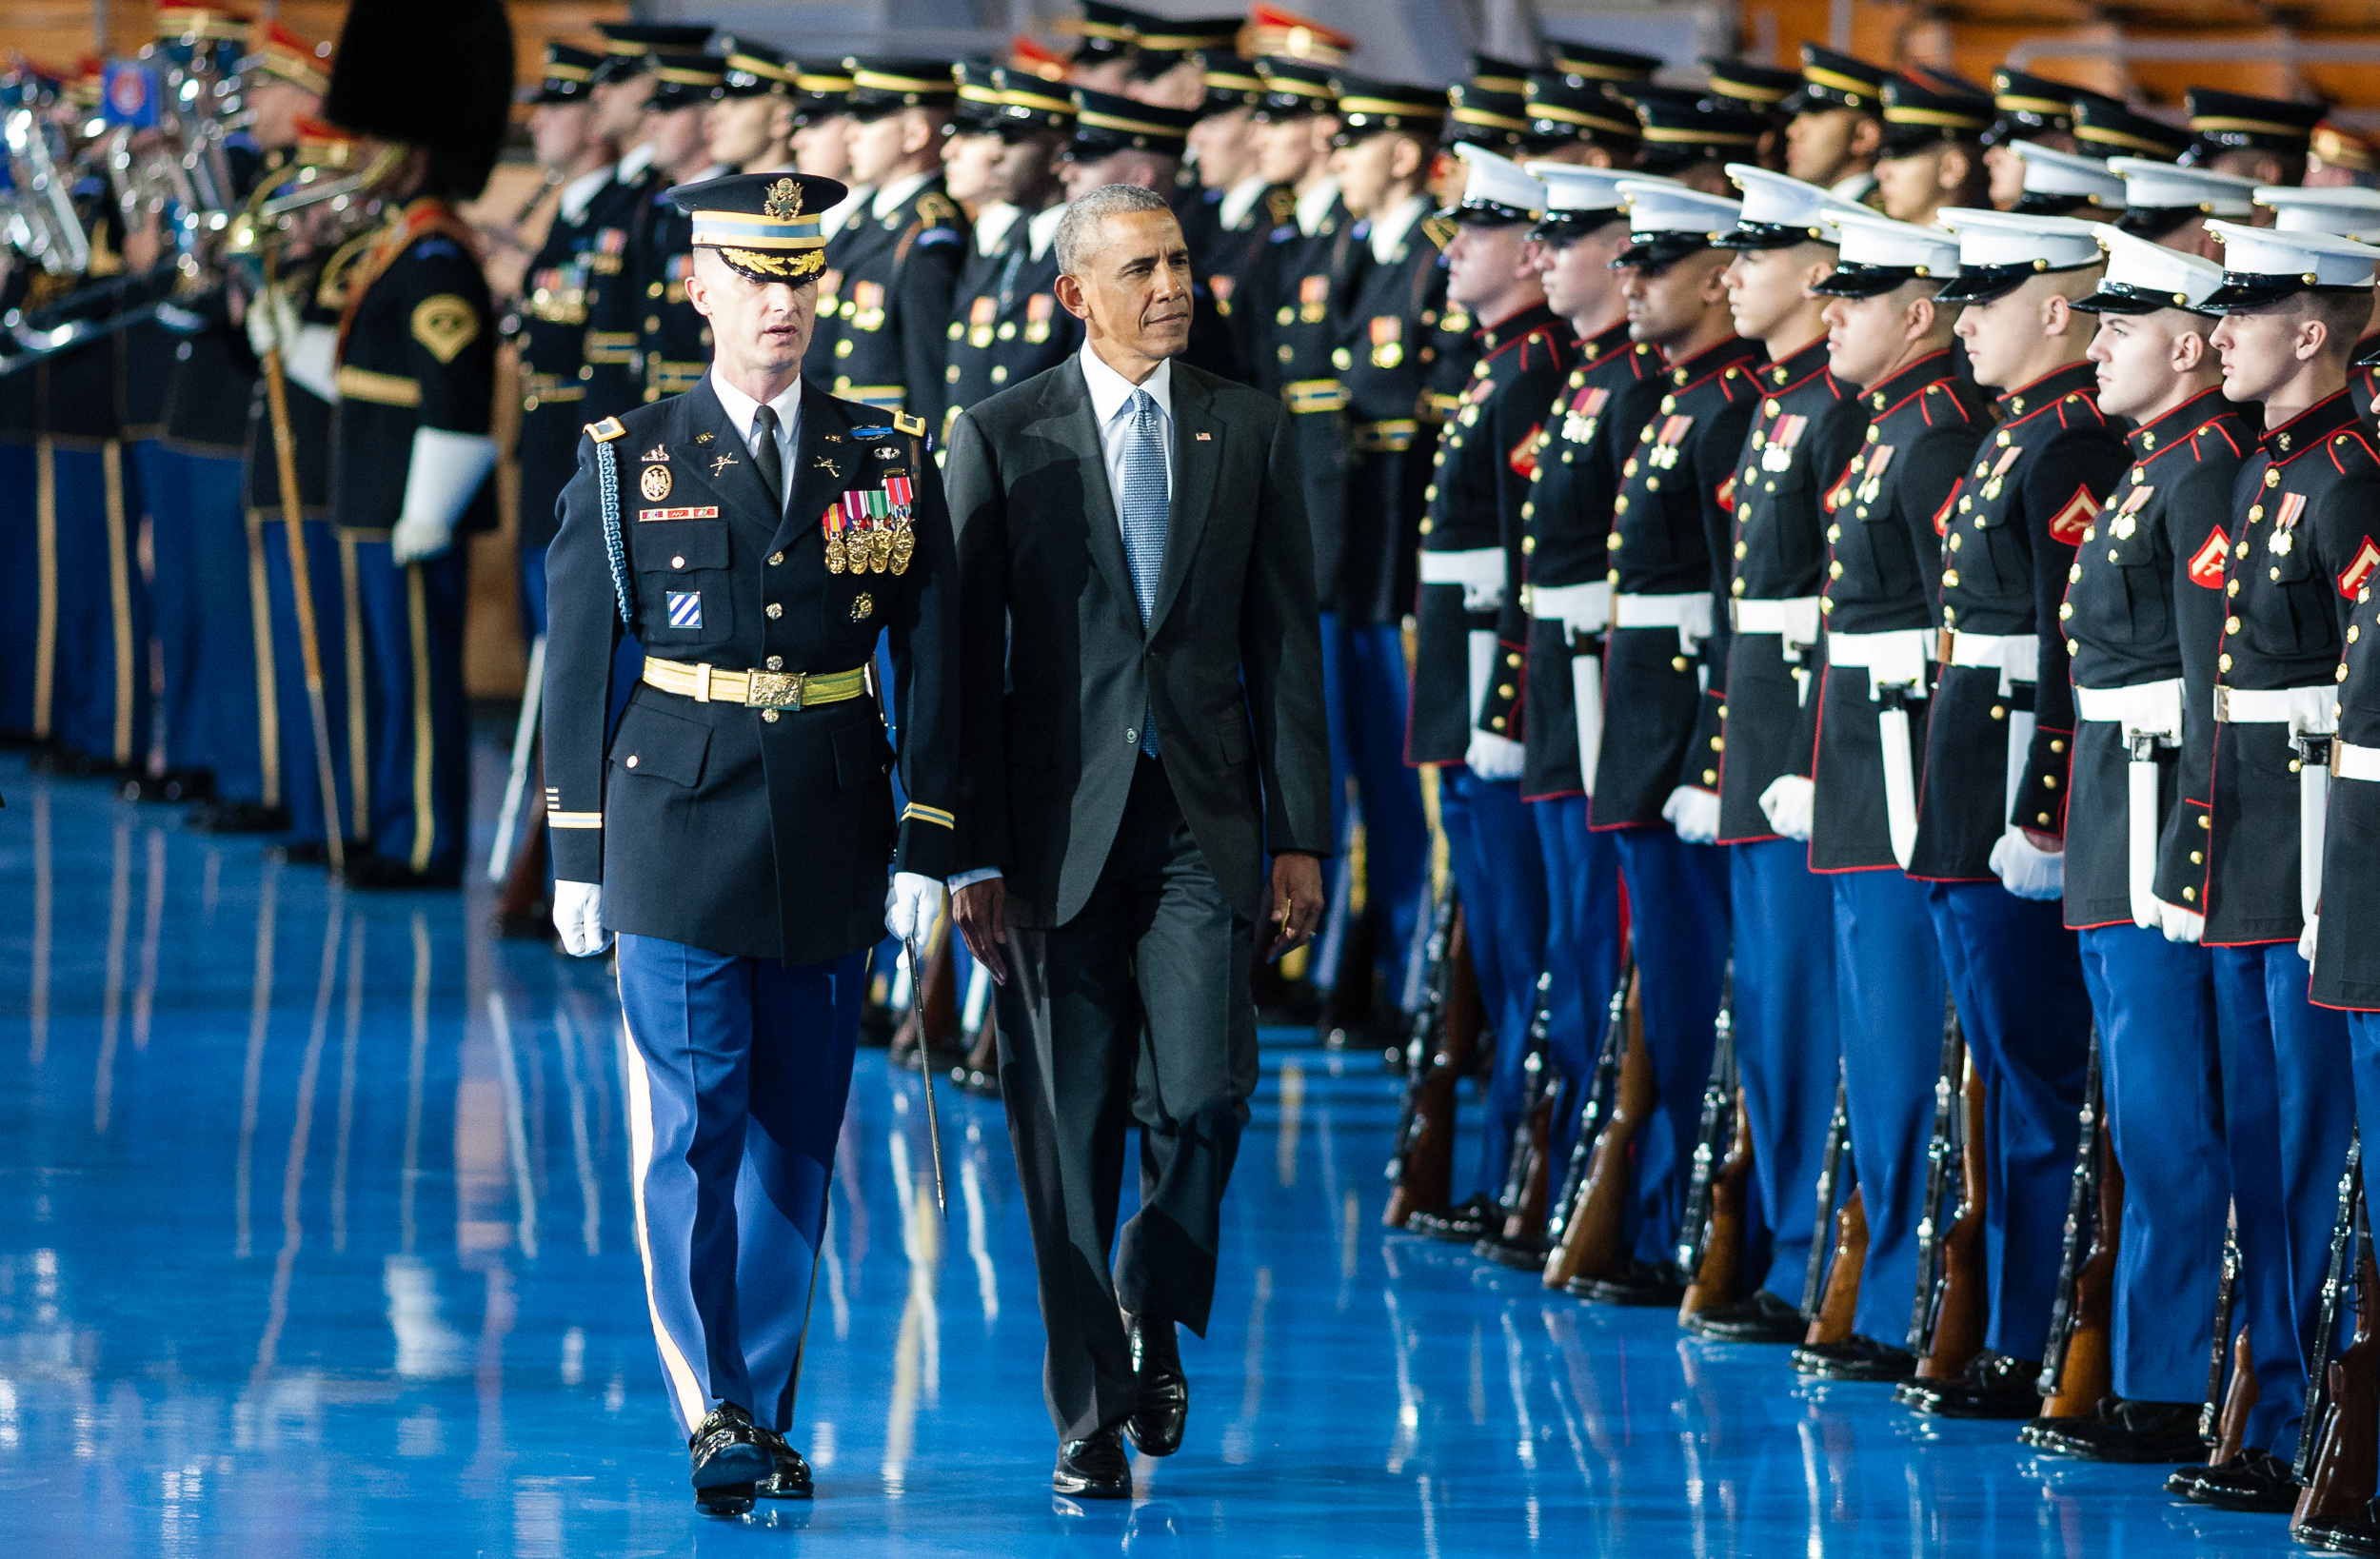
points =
(314, 1239)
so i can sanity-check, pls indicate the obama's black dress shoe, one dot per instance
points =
(1164, 1400)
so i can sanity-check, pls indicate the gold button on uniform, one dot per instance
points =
(775, 611)
(775, 662)
(776, 558)
(769, 715)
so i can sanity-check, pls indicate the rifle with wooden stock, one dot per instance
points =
(1590, 1241)
(2076, 1363)
(2211, 1412)
(1602, 1094)
(1710, 1237)
(1446, 1043)
(1831, 1165)
(1517, 1240)
(1957, 1299)
(2347, 1455)
(2334, 1282)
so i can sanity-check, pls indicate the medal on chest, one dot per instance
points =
(868, 529)
(1872, 473)
(1778, 453)
(1999, 469)
(1667, 443)
(1388, 348)
(2126, 523)
(2282, 541)
(1585, 411)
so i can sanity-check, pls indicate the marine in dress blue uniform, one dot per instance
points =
(1594, 420)
(2300, 546)
(413, 461)
(1877, 608)
(1998, 733)
(1808, 428)
(1656, 778)
(1470, 640)
(2142, 617)
(753, 740)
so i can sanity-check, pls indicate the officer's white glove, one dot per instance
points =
(2180, 925)
(1788, 804)
(442, 477)
(912, 904)
(579, 915)
(272, 320)
(2306, 939)
(1491, 757)
(2026, 870)
(1694, 812)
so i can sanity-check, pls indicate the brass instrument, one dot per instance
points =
(41, 220)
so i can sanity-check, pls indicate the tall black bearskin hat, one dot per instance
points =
(436, 74)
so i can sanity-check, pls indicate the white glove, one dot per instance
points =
(1491, 757)
(579, 915)
(2026, 871)
(311, 360)
(442, 477)
(272, 319)
(1788, 804)
(2180, 925)
(912, 904)
(1694, 812)
(2306, 939)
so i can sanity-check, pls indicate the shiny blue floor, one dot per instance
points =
(315, 1238)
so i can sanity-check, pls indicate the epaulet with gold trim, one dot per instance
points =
(935, 209)
(1438, 230)
(914, 427)
(1281, 203)
(606, 430)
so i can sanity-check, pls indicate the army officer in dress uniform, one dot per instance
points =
(893, 267)
(756, 536)
(1007, 326)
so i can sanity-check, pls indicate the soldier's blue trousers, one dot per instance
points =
(1678, 920)
(416, 714)
(200, 615)
(1582, 934)
(1787, 1046)
(1889, 994)
(286, 733)
(21, 625)
(99, 694)
(2161, 1068)
(2288, 1108)
(2017, 978)
(1500, 875)
(1363, 688)
(737, 1072)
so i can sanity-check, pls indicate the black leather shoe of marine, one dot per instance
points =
(1525, 1255)
(2117, 1431)
(172, 786)
(728, 1459)
(791, 1477)
(2358, 1533)
(2253, 1480)
(377, 872)
(2001, 1387)
(1164, 1401)
(1094, 1469)
(1459, 1225)
(222, 816)
(1856, 1358)
(1762, 1318)
(1922, 1394)
(1638, 1283)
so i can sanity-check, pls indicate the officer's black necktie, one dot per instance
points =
(765, 457)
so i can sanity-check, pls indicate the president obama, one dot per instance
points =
(1142, 727)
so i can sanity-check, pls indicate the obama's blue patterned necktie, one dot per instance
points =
(1143, 506)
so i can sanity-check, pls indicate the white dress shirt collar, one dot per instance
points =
(1043, 230)
(835, 217)
(633, 161)
(993, 220)
(579, 193)
(1240, 199)
(1110, 390)
(742, 408)
(1388, 232)
(1314, 204)
(889, 198)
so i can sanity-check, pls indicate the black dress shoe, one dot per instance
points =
(1094, 1469)
(1525, 1255)
(315, 852)
(791, 1477)
(222, 816)
(2358, 1533)
(2253, 1480)
(1164, 1401)
(1855, 1358)
(172, 786)
(1459, 1225)
(1762, 1318)
(729, 1460)
(1994, 1386)
(2117, 1431)
(534, 924)
(1639, 1283)
(378, 873)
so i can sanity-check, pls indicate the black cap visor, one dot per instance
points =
(2125, 298)
(1981, 283)
(1852, 280)
(2243, 290)
(1568, 226)
(1657, 252)
(1488, 213)
(1768, 235)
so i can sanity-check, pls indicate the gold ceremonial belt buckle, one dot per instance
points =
(773, 690)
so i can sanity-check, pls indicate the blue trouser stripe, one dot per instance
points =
(2017, 977)
(1786, 1047)
(1678, 920)
(2289, 1107)
(744, 1070)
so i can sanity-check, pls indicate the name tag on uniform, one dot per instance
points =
(707, 511)
(685, 608)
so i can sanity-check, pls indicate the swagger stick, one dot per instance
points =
(302, 592)
(926, 1074)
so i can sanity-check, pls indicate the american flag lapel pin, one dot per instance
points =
(1206, 438)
